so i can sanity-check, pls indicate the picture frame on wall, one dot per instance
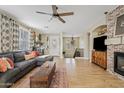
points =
(119, 28)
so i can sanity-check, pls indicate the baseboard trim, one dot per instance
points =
(116, 74)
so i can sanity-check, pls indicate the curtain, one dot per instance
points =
(24, 38)
(31, 40)
(6, 39)
(9, 34)
(15, 34)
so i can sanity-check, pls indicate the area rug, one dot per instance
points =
(60, 79)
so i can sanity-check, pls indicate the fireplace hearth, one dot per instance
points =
(119, 62)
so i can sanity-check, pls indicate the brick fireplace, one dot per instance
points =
(112, 48)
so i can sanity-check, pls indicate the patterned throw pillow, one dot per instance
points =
(34, 53)
(7, 63)
(38, 53)
(3, 67)
(29, 56)
(10, 62)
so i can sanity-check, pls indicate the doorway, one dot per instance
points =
(69, 46)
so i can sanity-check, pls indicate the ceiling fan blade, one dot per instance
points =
(54, 8)
(66, 14)
(43, 13)
(61, 19)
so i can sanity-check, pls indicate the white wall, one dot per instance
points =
(84, 44)
(61, 45)
(83, 38)
(81, 42)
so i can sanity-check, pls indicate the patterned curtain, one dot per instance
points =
(15, 34)
(9, 34)
(6, 39)
(31, 40)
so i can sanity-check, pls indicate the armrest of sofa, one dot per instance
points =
(41, 59)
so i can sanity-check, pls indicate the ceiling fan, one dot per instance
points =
(55, 14)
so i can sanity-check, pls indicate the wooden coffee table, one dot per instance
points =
(43, 78)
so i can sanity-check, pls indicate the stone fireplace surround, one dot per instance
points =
(111, 20)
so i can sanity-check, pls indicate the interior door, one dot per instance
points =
(54, 45)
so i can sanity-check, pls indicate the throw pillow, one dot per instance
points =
(38, 53)
(29, 56)
(3, 67)
(7, 63)
(10, 62)
(34, 53)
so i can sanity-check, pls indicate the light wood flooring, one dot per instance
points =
(81, 74)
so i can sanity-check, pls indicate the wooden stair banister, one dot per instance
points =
(78, 52)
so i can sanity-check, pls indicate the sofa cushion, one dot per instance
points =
(8, 55)
(44, 58)
(27, 52)
(24, 64)
(32, 61)
(9, 74)
(40, 59)
(19, 56)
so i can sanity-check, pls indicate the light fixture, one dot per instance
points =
(72, 40)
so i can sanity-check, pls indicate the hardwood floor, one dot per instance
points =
(81, 74)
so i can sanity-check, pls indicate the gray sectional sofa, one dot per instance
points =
(21, 67)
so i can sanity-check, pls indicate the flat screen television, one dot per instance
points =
(99, 43)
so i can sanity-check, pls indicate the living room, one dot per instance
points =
(61, 46)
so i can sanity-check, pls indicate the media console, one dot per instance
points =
(100, 58)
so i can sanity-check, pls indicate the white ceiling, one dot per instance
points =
(85, 16)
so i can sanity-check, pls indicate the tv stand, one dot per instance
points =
(100, 58)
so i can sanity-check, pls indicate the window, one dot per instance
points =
(24, 40)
